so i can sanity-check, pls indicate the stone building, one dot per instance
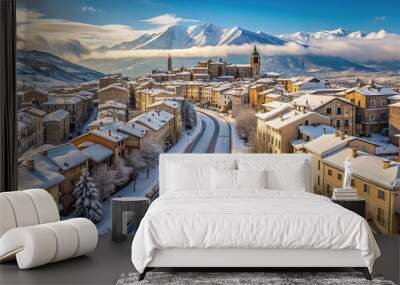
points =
(34, 97)
(256, 99)
(296, 84)
(374, 178)
(26, 132)
(113, 92)
(160, 125)
(341, 112)
(38, 116)
(372, 103)
(70, 162)
(394, 123)
(278, 128)
(56, 127)
(72, 104)
(174, 108)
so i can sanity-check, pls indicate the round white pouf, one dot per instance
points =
(40, 244)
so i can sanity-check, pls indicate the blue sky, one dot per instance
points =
(274, 17)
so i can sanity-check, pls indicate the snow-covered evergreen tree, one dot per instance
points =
(188, 115)
(87, 204)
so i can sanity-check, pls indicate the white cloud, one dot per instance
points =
(358, 50)
(90, 9)
(33, 28)
(380, 18)
(206, 51)
(167, 20)
(361, 50)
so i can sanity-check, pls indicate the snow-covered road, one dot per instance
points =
(204, 144)
(222, 135)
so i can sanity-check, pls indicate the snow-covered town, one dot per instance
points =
(100, 139)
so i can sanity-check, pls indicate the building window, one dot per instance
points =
(383, 116)
(319, 164)
(366, 188)
(328, 111)
(339, 176)
(381, 215)
(381, 195)
(329, 172)
(319, 181)
(372, 103)
(352, 100)
(383, 103)
(372, 117)
(338, 111)
(353, 183)
(346, 123)
(338, 124)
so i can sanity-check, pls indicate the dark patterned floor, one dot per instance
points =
(106, 264)
(251, 278)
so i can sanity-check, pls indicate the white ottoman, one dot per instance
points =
(41, 244)
(31, 231)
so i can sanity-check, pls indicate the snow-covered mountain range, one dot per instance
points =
(47, 70)
(180, 37)
(339, 33)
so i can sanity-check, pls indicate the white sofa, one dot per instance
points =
(31, 231)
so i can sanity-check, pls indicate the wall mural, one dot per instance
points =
(104, 89)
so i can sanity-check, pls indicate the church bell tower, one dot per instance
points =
(255, 62)
(169, 63)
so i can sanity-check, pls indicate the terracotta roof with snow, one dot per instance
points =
(153, 119)
(66, 156)
(315, 131)
(374, 91)
(367, 166)
(327, 143)
(315, 101)
(290, 117)
(37, 178)
(97, 152)
(116, 87)
(56, 116)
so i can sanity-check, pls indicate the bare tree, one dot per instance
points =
(136, 161)
(150, 153)
(122, 172)
(246, 123)
(103, 177)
